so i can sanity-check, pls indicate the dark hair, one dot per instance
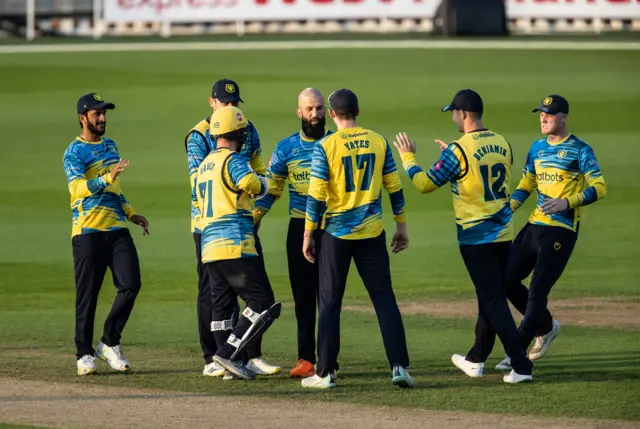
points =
(475, 115)
(234, 103)
(343, 114)
(236, 135)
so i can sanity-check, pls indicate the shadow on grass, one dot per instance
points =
(9, 399)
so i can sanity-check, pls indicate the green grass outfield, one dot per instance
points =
(590, 372)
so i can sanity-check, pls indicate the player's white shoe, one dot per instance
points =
(213, 370)
(513, 377)
(261, 367)
(505, 364)
(401, 377)
(317, 382)
(470, 368)
(541, 346)
(86, 365)
(230, 376)
(114, 356)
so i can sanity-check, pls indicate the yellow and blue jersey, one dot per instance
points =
(560, 170)
(199, 143)
(291, 160)
(97, 202)
(478, 167)
(222, 190)
(348, 171)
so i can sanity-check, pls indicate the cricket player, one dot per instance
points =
(478, 167)
(348, 171)
(564, 171)
(199, 143)
(224, 187)
(100, 237)
(291, 160)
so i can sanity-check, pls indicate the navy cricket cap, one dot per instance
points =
(466, 100)
(553, 104)
(344, 101)
(93, 101)
(226, 91)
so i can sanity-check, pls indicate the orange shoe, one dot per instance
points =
(303, 369)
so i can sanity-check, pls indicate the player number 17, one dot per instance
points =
(366, 161)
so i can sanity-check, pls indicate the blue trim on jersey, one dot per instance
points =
(315, 209)
(348, 222)
(397, 202)
(486, 230)
(446, 169)
(319, 164)
(237, 168)
(389, 163)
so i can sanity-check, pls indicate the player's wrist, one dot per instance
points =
(108, 178)
(400, 219)
(407, 157)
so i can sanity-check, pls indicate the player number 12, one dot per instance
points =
(496, 191)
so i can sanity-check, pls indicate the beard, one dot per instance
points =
(315, 131)
(98, 128)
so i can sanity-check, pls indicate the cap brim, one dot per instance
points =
(99, 106)
(447, 108)
(229, 99)
(103, 105)
(545, 110)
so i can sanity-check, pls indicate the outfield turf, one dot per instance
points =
(589, 372)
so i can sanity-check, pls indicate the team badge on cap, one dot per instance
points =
(230, 88)
(547, 101)
(97, 97)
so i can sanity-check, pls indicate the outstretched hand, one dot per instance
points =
(404, 144)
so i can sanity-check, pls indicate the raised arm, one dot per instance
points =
(451, 164)
(527, 184)
(276, 177)
(79, 186)
(393, 185)
(242, 176)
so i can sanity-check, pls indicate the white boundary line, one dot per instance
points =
(329, 44)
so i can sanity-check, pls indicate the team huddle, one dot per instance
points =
(335, 206)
